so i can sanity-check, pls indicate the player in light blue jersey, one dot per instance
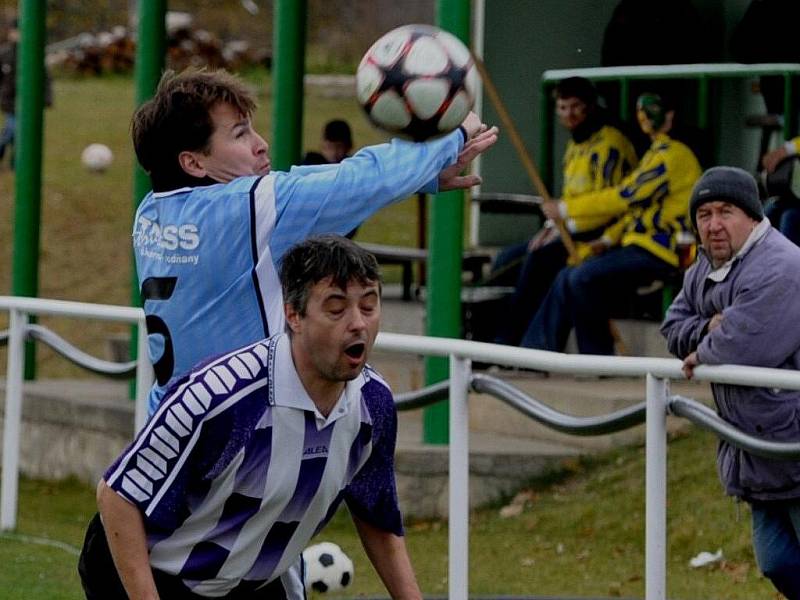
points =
(210, 236)
(250, 454)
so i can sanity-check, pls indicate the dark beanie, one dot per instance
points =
(727, 184)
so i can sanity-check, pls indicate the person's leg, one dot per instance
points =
(6, 133)
(790, 224)
(773, 209)
(507, 264)
(536, 276)
(550, 326)
(776, 526)
(598, 283)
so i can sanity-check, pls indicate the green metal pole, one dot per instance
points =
(704, 121)
(150, 50)
(446, 244)
(546, 134)
(29, 111)
(702, 103)
(289, 42)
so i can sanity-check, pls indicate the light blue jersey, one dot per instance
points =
(207, 257)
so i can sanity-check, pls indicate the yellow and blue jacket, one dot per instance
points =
(652, 202)
(600, 161)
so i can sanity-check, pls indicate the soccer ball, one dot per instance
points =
(328, 568)
(417, 81)
(97, 157)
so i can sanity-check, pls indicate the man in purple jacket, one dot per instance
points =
(740, 304)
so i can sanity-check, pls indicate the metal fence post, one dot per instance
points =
(144, 376)
(656, 489)
(13, 418)
(458, 571)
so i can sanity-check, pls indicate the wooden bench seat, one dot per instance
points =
(473, 261)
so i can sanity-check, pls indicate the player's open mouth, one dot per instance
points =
(355, 351)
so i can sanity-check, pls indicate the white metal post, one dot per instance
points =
(13, 418)
(458, 571)
(144, 376)
(656, 490)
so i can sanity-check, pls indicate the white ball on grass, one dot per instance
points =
(327, 568)
(97, 157)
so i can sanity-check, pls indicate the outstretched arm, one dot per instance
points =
(389, 556)
(338, 199)
(128, 543)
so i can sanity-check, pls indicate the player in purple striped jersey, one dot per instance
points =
(250, 454)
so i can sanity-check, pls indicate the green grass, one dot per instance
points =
(581, 533)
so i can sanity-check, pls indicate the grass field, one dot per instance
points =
(580, 533)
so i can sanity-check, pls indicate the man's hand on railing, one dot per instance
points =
(689, 363)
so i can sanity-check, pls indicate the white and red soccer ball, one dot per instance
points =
(417, 81)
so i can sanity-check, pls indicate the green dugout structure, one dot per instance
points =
(521, 41)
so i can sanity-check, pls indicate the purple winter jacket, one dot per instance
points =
(760, 303)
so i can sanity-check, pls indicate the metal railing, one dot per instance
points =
(702, 73)
(653, 411)
(658, 403)
(20, 330)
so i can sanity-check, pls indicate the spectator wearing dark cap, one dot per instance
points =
(740, 304)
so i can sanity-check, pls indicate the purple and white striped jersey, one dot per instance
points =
(237, 470)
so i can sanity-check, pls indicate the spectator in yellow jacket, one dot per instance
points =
(598, 155)
(652, 206)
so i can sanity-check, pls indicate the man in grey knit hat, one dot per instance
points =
(740, 304)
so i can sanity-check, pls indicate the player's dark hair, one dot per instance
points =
(338, 131)
(320, 257)
(576, 87)
(178, 118)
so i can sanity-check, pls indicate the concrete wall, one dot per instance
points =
(78, 428)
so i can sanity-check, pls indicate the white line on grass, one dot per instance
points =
(30, 539)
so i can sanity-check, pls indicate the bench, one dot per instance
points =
(473, 262)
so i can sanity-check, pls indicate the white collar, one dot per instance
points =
(288, 390)
(172, 192)
(759, 231)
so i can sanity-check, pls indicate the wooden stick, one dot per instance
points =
(522, 152)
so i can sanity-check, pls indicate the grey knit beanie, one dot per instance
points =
(728, 184)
